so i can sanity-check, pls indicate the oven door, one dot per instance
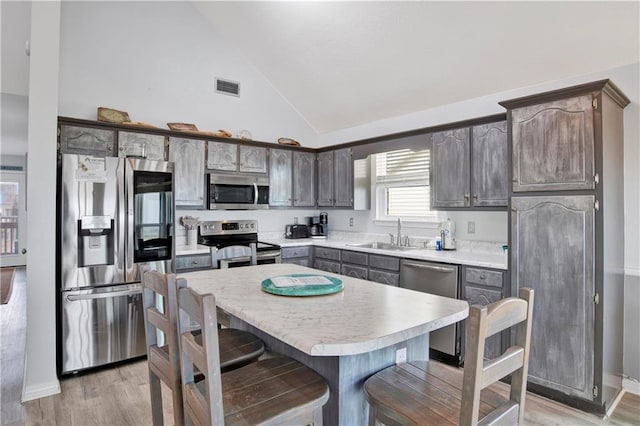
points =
(238, 192)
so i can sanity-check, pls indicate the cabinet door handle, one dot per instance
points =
(475, 197)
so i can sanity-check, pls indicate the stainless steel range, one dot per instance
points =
(235, 243)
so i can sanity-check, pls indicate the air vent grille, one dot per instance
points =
(227, 87)
(8, 168)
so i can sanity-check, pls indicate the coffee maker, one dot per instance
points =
(320, 226)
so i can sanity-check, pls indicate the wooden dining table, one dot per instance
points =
(345, 336)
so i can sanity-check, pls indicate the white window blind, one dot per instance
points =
(403, 165)
(402, 179)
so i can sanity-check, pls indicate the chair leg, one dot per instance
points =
(373, 421)
(178, 407)
(156, 399)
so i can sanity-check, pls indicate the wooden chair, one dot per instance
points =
(237, 347)
(163, 359)
(275, 391)
(431, 393)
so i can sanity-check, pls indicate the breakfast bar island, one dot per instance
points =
(345, 336)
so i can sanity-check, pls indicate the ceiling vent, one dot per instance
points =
(227, 87)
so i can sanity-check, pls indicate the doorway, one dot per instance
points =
(13, 230)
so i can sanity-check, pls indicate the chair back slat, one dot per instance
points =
(483, 322)
(505, 314)
(206, 404)
(496, 368)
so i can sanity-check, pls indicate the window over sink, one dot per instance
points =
(402, 185)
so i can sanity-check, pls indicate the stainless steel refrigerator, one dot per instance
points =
(115, 217)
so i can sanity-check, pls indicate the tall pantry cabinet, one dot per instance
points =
(566, 239)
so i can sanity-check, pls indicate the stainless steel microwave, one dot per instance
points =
(238, 192)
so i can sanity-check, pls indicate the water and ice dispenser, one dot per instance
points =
(95, 241)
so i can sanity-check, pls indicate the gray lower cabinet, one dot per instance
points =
(449, 171)
(304, 179)
(87, 140)
(280, 177)
(193, 262)
(481, 287)
(384, 269)
(372, 267)
(489, 183)
(188, 156)
(354, 264)
(133, 144)
(327, 259)
(552, 251)
(301, 255)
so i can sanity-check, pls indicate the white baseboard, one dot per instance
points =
(40, 391)
(631, 385)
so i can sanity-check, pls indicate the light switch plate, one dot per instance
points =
(471, 227)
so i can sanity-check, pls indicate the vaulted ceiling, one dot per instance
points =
(342, 64)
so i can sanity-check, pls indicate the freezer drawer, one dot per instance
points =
(101, 326)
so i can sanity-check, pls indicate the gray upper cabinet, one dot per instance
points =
(222, 156)
(343, 178)
(280, 177)
(132, 144)
(449, 172)
(552, 251)
(253, 159)
(325, 179)
(304, 181)
(87, 140)
(489, 185)
(335, 178)
(230, 157)
(188, 156)
(553, 145)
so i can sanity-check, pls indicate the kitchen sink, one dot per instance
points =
(382, 246)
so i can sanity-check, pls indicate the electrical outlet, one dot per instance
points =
(471, 227)
(351, 221)
(401, 355)
(295, 220)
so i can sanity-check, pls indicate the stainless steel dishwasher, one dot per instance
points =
(442, 280)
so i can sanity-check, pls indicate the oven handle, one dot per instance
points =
(269, 255)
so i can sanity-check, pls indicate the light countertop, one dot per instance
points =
(364, 317)
(467, 257)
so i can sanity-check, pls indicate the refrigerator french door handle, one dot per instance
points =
(105, 295)
(121, 230)
(130, 273)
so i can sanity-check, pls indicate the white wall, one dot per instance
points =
(157, 61)
(40, 361)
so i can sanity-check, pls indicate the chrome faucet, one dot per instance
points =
(399, 237)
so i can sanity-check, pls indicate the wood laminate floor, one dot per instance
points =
(120, 395)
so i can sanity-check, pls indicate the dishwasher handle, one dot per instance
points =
(443, 269)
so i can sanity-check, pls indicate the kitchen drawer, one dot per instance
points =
(354, 271)
(354, 257)
(483, 296)
(327, 253)
(297, 261)
(384, 262)
(199, 261)
(483, 277)
(382, 277)
(290, 252)
(326, 265)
